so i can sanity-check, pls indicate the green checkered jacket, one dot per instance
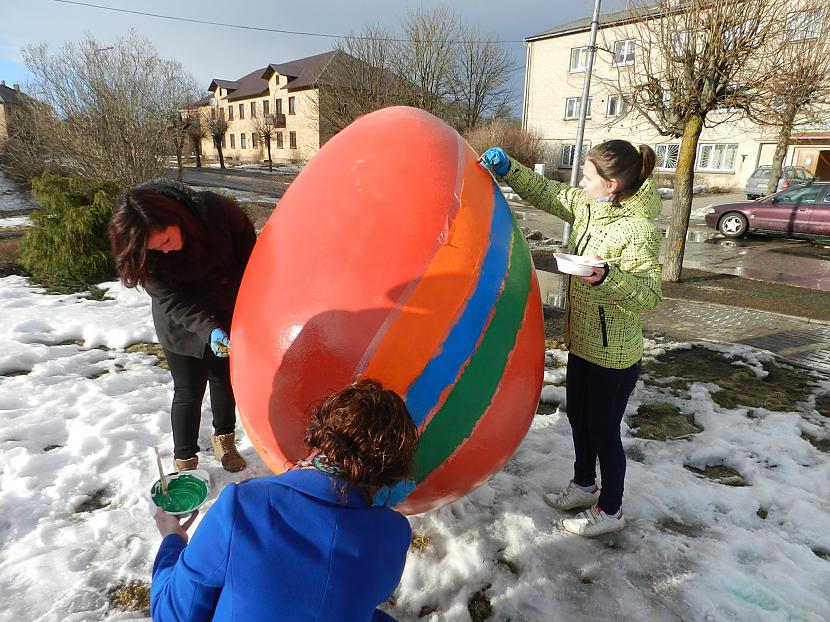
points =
(602, 322)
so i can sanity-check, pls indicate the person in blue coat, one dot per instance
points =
(306, 545)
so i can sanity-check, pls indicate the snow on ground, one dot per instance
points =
(10, 198)
(14, 221)
(79, 421)
(240, 196)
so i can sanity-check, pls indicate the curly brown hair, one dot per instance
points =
(368, 432)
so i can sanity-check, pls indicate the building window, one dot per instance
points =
(666, 156)
(253, 140)
(579, 59)
(265, 106)
(279, 106)
(213, 113)
(230, 113)
(242, 144)
(253, 109)
(803, 25)
(615, 106)
(623, 53)
(222, 114)
(233, 141)
(278, 136)
(566, 159)
(241, 111)
(224, 142)
(679, 44)
(292, 140)
(716, 157)
(292, 107)
(572, 107)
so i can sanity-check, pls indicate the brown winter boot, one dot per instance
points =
(188, 464)
(224, 448)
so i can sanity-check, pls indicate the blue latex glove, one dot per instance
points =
(220, 343)
(496, 160)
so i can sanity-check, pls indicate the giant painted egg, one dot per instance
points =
(393, 255)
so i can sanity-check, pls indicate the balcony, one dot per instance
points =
(277, 120)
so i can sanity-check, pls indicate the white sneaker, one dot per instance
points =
(593, 522)
(572, 498)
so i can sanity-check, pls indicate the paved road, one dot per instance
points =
(792, 262)
(272, 185)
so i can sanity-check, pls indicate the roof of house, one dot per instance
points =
(302, 73)
(12, 96)
(605, 19)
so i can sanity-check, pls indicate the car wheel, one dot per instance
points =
(733, 225)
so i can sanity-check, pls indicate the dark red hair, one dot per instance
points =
(137, 213)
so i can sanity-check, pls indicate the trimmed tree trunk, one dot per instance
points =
(780, 151)
(218, 144)
(682, 202)
(198, 151)
(268, 145)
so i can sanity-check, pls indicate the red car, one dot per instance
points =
(801, 212)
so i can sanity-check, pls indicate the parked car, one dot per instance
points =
(756, 185)
(803, 211)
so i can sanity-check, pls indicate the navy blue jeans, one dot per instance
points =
(596, 398)
(191, 375)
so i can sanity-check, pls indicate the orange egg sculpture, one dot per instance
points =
(394, 255)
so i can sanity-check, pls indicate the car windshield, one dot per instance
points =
(762, 173)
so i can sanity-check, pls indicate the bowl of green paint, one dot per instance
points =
(186, 492)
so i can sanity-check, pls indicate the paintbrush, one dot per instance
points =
(162, 478)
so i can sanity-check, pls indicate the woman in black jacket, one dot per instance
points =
(188, 250)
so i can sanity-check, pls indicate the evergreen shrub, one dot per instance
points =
(66, 248)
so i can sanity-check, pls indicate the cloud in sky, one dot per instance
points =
(209, 51)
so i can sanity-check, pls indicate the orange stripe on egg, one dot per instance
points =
(450, 277)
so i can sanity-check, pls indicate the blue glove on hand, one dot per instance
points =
(496, 160)
(220, 343)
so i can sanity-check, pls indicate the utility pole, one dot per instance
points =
(583, 110)
(580, 131)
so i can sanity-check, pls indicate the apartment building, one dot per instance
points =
(287, 95)
(557, 60)
(9, 99)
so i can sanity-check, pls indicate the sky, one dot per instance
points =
(81, 415)
(210, 52)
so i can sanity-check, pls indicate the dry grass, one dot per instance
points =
(8, 258)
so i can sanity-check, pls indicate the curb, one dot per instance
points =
(799, 318)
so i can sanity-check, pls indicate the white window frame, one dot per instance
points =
(679, 43)
(803, 25)
(581, 55)
(572, 105)
(243, 143)
(566, 155)
(716, 157)
(619, 107)
(624, 49)
(667, 156)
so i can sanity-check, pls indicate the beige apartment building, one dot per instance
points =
(285, 93)
(557, 60)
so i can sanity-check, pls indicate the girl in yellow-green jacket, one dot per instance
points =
(611, 214)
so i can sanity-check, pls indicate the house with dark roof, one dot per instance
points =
(287, 95)
(10, 98)
(557, 62)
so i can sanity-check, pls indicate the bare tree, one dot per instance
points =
(479, 79)
(112, 104)
(695, 58)
(359, 79)
(216, 128)
(435, 64)
(197, 130)
(266, 128)
(799, 93)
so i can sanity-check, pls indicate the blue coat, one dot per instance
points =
(283, 548)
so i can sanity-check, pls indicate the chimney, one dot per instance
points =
(16, 87)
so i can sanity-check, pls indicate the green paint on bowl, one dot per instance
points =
(184, 493)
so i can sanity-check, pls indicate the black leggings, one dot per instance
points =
(596, 399)
(190, 375)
